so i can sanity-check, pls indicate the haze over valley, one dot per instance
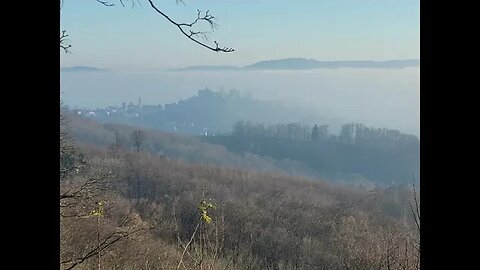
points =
(375, 96)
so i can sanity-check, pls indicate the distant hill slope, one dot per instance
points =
(333, 160)
(209, 68)
(307, 64)
(211, 112)
(81, 69)
(176, 146)
(327, 160)
(301, 63)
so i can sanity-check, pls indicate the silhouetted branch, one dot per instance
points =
(109, 4)
(207, 17)
(203, 35)
(93, 183)
(190, 34)
(106, 3)
(64, 42)
(111, 239)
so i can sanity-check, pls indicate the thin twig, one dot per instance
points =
(188, 244)
(106, 3)
(64, 42)
(207, 17)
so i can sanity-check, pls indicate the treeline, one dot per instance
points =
(352, 133)
(357, 153)
(359, 134)
(123, 209)
(295, 131)
(325, 158)
(176, 146)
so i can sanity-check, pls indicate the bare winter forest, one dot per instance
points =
(287, 139)
(123, 208)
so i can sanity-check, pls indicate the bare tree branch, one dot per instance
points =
(191, 35)
(178, 235)
(416, 211)
(64, 42)
(106, 3)
(111, 239)
(417, 208)
(85, 191)
(188, 244)
(207, 17)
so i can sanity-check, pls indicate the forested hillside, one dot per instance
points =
(176, 146)
(358, 153)
(129, 209)
(383, 158)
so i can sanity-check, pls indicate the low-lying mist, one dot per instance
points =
(387, 98)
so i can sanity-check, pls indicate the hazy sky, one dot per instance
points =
(126, 39)
(136, 44)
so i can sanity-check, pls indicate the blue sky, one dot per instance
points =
(122, 38)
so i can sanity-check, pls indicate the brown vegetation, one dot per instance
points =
(261, 220)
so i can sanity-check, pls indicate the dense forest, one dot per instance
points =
(122, 207)
(172, 145)
(286, 148)
(379, 155)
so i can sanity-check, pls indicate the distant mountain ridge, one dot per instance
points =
(81, 69)
(307, 64)
(209, 68)
(302, 63)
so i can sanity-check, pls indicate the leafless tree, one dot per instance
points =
(70, 159)
(117, 144)
(81, 191)
(80, 196)
(416, 216)
(415, 209)
(204, 246)
(123, 232)
(138, 138)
